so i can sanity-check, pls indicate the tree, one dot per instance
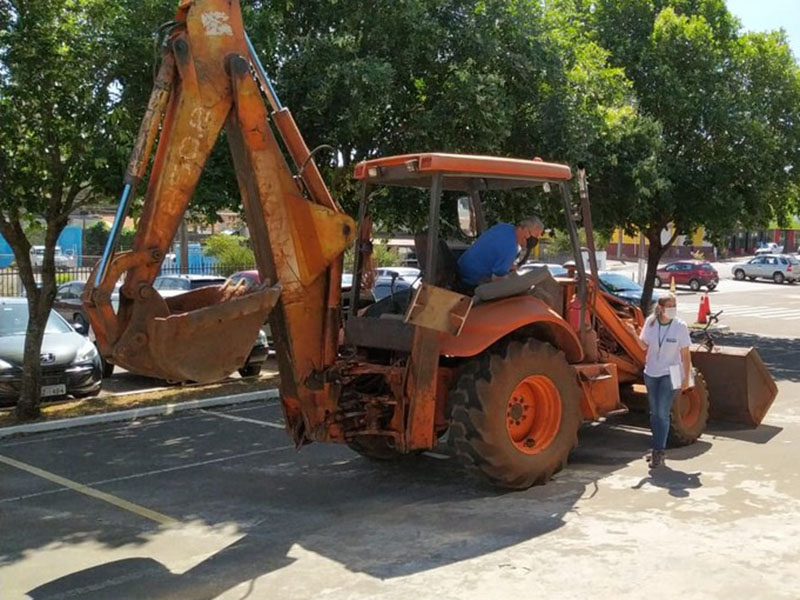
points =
(56, 93)
(231, 251)
(474, 76)
(717, 136)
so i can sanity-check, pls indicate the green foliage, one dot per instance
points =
(94, 238)
(231, 251)
(385, 256)
(57, 82)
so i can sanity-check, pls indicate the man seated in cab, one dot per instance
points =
(492, 255)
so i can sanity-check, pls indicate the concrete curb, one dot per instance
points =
(135, 413)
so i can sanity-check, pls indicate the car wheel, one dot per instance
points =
(739, 274)
(251, 370)
(694, 285)
(778, 277)
(658, 283)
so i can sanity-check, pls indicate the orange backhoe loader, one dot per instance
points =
(509, 370)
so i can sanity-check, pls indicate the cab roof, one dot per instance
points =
(461, 171)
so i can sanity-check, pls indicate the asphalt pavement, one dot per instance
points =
(219, 504)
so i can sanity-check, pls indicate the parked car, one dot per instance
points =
(777, 267)
(62, 261)
(69, 305)
(410, 274)
(172, 285)
(694, 273)
(626, 289)
(555, 269)
(769, 248)
(70, 362)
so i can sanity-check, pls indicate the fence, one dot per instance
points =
(11, 283)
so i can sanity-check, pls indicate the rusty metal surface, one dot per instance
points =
(740, 387)
(387, 334)
(490, 321)
(439, 309)
(600, 388)
(205, 335)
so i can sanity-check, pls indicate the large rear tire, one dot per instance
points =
(689, 414)
(515, 413)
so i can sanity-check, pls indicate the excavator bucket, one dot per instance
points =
(205, 335)
(740, 387)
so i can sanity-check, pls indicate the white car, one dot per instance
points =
(62, 261)
(410, 274)
(172, 285)
(770, 248)
(777, 267)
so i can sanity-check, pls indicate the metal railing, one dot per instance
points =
(11, 282)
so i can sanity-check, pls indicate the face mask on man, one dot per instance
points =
(670, 312)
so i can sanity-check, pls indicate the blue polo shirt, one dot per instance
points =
(492, 254)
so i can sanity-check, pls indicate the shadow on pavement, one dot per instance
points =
(386, 520)
(677, 483)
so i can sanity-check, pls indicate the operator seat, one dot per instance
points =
(447, 265)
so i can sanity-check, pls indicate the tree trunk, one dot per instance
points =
(30, 394)
(655, 251)
(40, 303)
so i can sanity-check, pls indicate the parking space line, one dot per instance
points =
(244, 419)
(201, 463)
(88, 491)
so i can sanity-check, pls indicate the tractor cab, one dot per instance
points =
(456, 186)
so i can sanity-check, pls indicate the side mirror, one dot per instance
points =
(466, 217)
(80, 328)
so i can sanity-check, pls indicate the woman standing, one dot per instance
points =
(667, 341)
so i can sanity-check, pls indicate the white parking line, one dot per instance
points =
(154, 472)
(244, 419)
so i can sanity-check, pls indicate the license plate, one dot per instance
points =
(54, 390)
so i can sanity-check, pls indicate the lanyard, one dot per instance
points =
(661, 338)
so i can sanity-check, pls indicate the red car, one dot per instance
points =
(694, 273)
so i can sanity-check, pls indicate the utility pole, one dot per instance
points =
(641, 259)
(184, 247)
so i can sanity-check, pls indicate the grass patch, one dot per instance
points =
(106, 404)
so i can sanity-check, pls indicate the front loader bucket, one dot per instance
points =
(208, 343)
(740, 387)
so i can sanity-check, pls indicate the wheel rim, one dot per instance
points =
(533, 415)
(688, 408)
(739, 274)
(694, 285)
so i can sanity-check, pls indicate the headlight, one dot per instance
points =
(5, 366)
(87, 352)
(262, 338)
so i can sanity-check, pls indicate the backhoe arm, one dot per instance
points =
(206, 82)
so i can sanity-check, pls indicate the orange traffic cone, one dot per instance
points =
(703, 310)
(672, 285)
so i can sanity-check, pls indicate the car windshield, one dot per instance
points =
(14, 321)
(616, 282)
(793, 260)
